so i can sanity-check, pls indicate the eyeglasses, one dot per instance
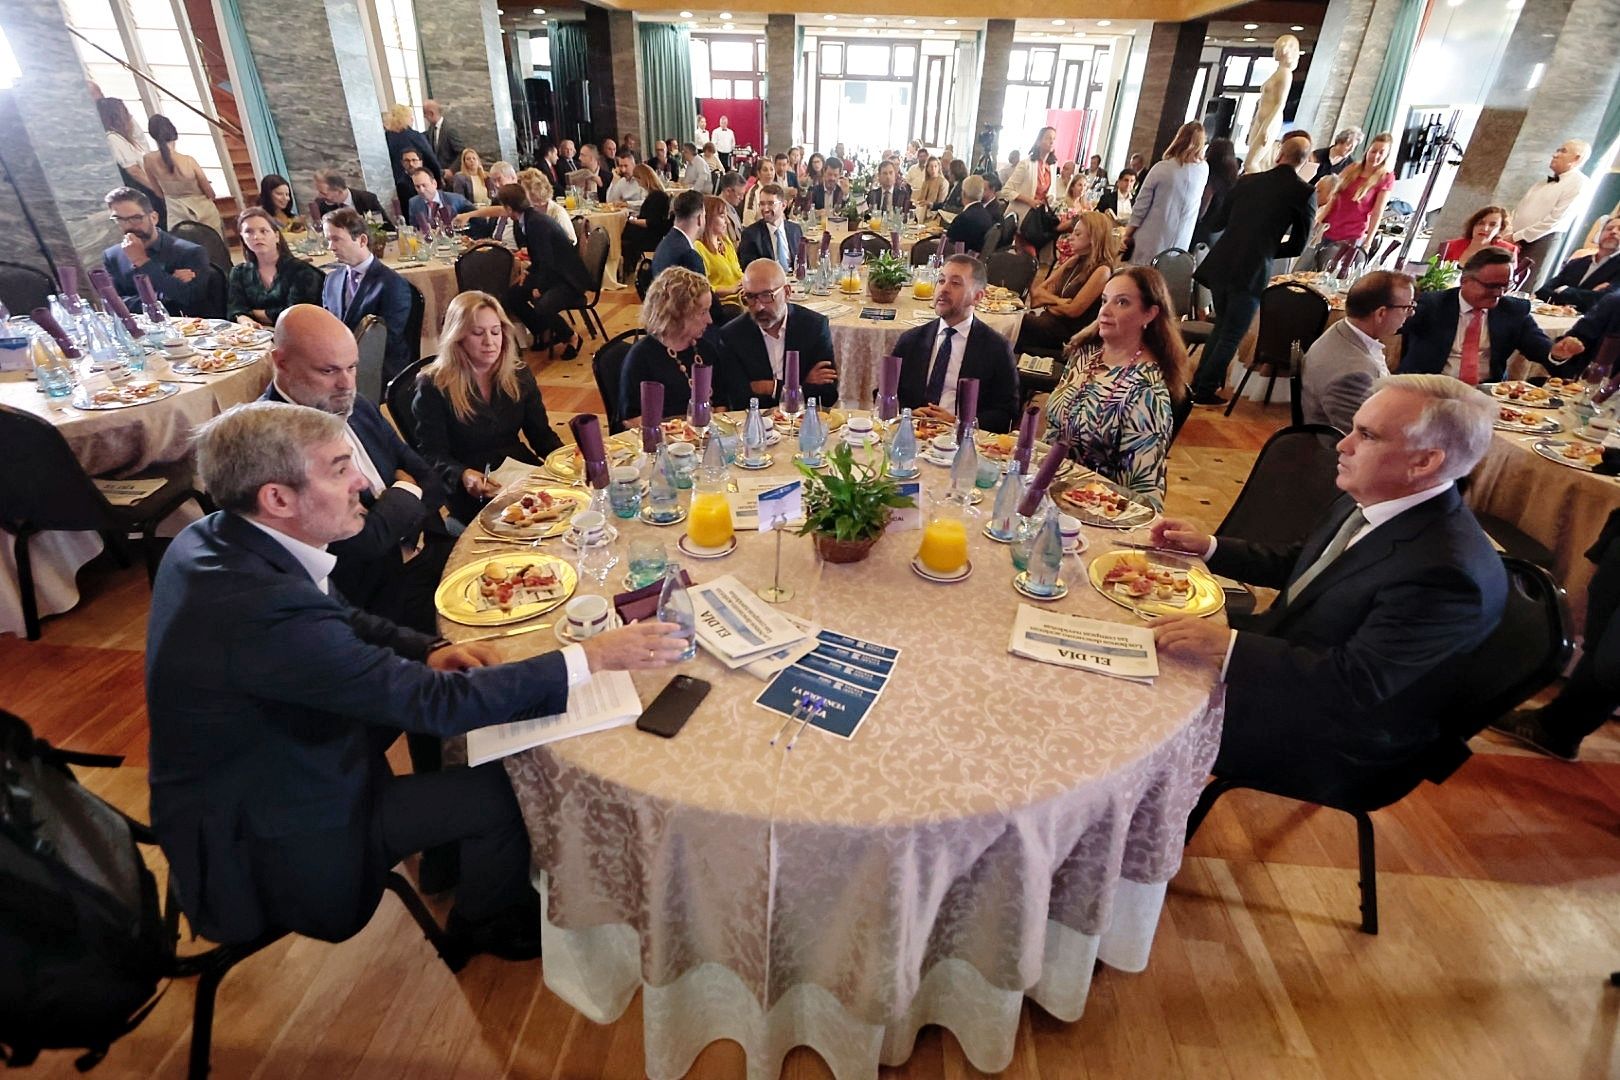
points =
(129, 219)
(760, 297)
(1403, 307)
(1493, 286)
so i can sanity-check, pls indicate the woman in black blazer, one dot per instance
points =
(647, 226)
(475, 401)
(676, 315)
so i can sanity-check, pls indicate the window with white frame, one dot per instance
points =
(398, 55)
(728, 66)
(153, 37)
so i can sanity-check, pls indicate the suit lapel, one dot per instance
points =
(1370, 550)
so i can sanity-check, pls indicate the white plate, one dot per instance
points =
(560, 628)
(1023, 589)
(689, 548)
(922, 571)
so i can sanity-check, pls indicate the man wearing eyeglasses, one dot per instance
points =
(177, 268)
(1470, 332)
(757, 343)
(1348, 358)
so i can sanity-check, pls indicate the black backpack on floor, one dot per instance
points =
(83, 942)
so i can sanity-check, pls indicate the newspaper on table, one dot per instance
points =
(1107, 648)
(771, 663)
(735, 625)
(607, 700)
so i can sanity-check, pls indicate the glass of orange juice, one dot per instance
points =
(943, 550)
(708, 523)
(922, 284)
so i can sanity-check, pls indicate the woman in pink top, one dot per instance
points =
(1353, 211)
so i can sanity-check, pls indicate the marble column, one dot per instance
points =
(997, 40)
(781, 61)
(615, 63)
(319, 86)
(1344, 29)
(53, 147)
(1362, 75)
(1167, 85)
(1519, 128)
(465, 65)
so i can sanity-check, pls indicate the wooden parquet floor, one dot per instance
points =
(1499, 892)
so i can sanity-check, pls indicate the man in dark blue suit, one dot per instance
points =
(1346, 673)
(177, 268)
(430, 207)
(772, 236)
(757, 343)
(890, 193)
(363, 285)
(1474, 345)
(1588, 278)
(679, 245)
(272, 700)
(968, 227)
(934, 356)
(1586, 336)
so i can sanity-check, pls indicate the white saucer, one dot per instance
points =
(570, 538)
(560, 628)
(930, 457)
(922, 571)
(689, 548)
(765, 464)
(994, 537)
(647, 519)
(1078, 547)
(1023, 589)
(895, 474)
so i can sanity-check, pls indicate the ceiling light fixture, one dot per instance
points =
(686, 14)
(1249, 39)
(928, 30)
(909, 22)
(729, 26)
(869, 19)
(1251, 26)
(830, 18)
(1105, 22)
(1296, 29)
(950, 22)
(725, 15)
(1060, 22)
(539, 11)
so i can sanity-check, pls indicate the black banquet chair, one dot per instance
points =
(1013, 270)
(485, 267)
(1290, 313)
(24, 288)
(371, 338)
(1176, 267)
(400, 393)
(869, 243)
(1524, 655)
(55, 494)
(594, 254)
(923, 250)
(209, 239)
(608, 368)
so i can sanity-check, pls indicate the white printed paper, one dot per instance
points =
(1114, 649)
(608, 700)
(737, 626)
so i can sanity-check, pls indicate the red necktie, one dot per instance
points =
(1468, 362)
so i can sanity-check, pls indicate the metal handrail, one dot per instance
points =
(224, 125)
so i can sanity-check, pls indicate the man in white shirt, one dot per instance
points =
(697, 175)
(700, 134)
(1347, 672)
(725, 141)
(1548, 208)
(1343, 364)
(919, 171)
(624, 188)
(1007, 169)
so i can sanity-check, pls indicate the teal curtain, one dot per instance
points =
(570, 69)
(1386, 95)
(257, 123)
(666, 81)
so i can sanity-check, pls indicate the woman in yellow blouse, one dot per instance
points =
(719, 251)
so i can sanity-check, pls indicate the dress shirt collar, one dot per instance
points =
(358, 271)
(1366, 340)
(1465, 309)
(961, 328)
(316, 561)
(1379, 513)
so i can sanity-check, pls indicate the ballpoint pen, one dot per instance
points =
(799, 703)
(814, 712)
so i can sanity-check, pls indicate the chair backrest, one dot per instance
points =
(1289, 489)
(1013, 270)
(53, 492)
(413, 324)
(1179, 412)
(372, 338)
(1296, 390)
(923, 250)
(1176, 266)
(594, 254)
(195, 231)
(992, 241)
(24, 288)
(608, 368)
(866, 242)
(1523, 273)
(1009, 230)
(216, 293)
(1289, 312)
(400, 393)
(486, 268)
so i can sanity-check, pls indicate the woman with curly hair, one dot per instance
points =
(676, 315)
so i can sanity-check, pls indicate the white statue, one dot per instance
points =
(1268, 116)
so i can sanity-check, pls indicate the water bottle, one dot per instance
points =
(753, 439)
(133, 352)
(663, 491)
(903, 447)
(1027, 531)
(812, 435)
(714, 459)
(102, 346)
(1004, 515)
(675, 606)
(965, 466)
(1045, 558)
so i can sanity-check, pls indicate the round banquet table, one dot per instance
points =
(435, 279)
(993, 829)
(859, 345)
(109, 442)
(1559, 506)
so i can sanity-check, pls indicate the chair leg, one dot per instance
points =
(1230, 405)
(211, 968)
(1206, 800)
(25, 583)
(453, 958)
(1369, 872)
(1271, 385)
(152, 550)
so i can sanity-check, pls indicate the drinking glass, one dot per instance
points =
(624, 492)
(647, 561)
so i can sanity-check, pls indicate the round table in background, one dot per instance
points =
(994, 829)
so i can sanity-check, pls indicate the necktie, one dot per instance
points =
(1335, 548)
(942, 363)
(782, 255)
(354, 287)
(1468, 362)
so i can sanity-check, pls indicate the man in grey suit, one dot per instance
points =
(1342, 365)
(272, 700)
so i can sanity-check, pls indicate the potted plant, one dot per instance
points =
(1439, 276)
(886, 274)
(847, 508)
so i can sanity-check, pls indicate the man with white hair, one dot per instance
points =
(1548, 209)
(1345, 670)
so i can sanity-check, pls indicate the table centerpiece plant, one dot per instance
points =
(886, 275)
(847, 508)
(1440, 275)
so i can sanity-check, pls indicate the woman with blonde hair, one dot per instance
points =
(676, 315)
(1072, 290)
(478, 404)
(1168, 199)
(179, 179)
(719, 250)
(1122, 379)
(1352, 213)
(542, 197)
(472, 182)
(932, 191)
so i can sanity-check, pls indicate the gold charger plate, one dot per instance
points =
(457, 597)
(1205, 599)
(999, 448)
(489, 518)
(563, 463)
(1134, 516)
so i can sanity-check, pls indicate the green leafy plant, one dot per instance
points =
(1440, 275)
(852, 500)
(886, 271)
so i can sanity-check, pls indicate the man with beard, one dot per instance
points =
(177, 268)
(757, 343)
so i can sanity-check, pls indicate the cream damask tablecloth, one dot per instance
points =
(112, 442)
(613, 221)
(993, 829)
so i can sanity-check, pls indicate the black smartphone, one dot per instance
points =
(669, 710)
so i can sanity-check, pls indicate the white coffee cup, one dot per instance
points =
(859, 426)
(945, 444)
(770, 425)
(177, 349)
(590, 524)
(1069, 527)
(586, 616)
(681, 451)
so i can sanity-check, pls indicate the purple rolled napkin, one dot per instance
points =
(799, 255)
(652, 415)
(894, 242)
(1026, 438)
(702, 394)
(967, 406)
(67, 280)
(790, 370)
(826, 242)
(112, 303)
(47, 322)
(587, 431)
(149, 297)
(1043, 477)
(889, 388)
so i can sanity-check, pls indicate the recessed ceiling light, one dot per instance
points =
(725, 15)
(539, 11)
(686, 14)
(1060, 22)
(729, 26)
(1251, 26)
(1105, 22)
(1249, 39)
(830, 18)
(869, 19)
(1296, 29)
(950, 22)
(909, 22)
(928, 30)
